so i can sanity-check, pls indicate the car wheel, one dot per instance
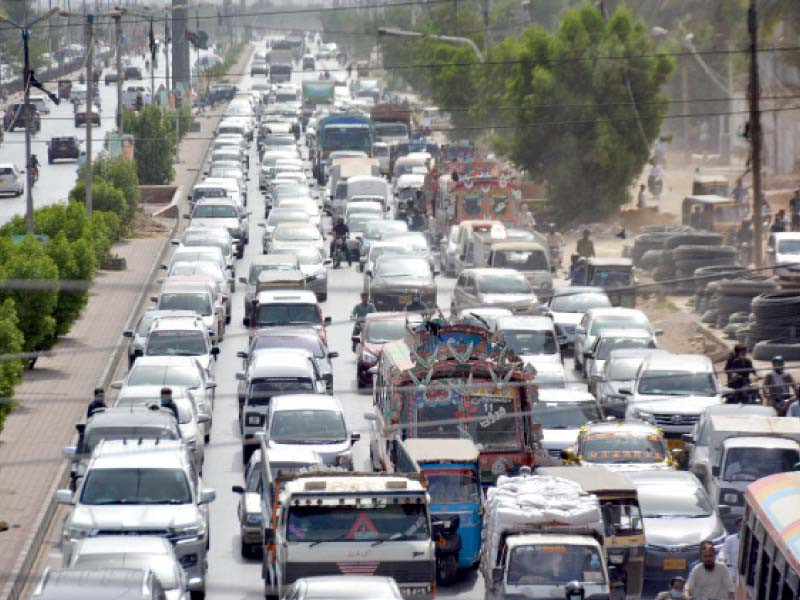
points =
(323, 297)
(246, 550)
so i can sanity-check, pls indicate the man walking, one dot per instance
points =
(709, 580)
(585, 245)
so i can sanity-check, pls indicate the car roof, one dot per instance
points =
(678, 362)
(280, 361)
(529, 322)
(350, 587)
(291, 402)
(287, 297)
(625, 333)
(565, 395)
(177, 324)
(165, 361)
(131, 416)
(633, 353)
(153, 454)
(517, 245)
(615, 311)
(94, 584)
(618, 426)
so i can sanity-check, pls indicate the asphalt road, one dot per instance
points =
(56, 180)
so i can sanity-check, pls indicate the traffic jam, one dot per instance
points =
(369, 370)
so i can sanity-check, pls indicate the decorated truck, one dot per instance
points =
(454, 381)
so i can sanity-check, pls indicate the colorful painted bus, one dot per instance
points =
(768, 567)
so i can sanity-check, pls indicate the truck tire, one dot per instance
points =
(788, 348)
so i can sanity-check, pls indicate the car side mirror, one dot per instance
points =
(207, 496)
(333, 354)
(327, 262)
(69, 451)
(116, 385)
(355, 436)
(588, 355)
(241, 354)
(241, 376)
(203, 419)
(215, 351)
(138, 352)
(658, 332)
(128, 333)
(625, 391)
(243, 280)
(237, 489)
(370, 416)
(187, 216)
(65, 496)
(246, 321)
(327, 321)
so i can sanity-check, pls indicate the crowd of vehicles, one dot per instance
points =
(482, 455)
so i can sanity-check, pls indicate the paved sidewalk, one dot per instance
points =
(53, 397)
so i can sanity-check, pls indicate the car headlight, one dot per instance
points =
(253, 519)
(345, 459)
(644, 416)
(189, 531)
(78, 532)
(369, 357)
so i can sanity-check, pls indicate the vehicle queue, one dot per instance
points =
(482, 452)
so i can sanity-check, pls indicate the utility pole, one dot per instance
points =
(167, 42)
(152, 64)
(485, 5)
(26, 81)
(118, 35)
(755, 133)
(89, 109)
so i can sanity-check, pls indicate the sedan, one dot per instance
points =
(612, 339)
(396, 279)
(678, 515)
(378, 329)
(569, 304)
(11, 180)
(494, 287)
(595, 320)
(138, 336)
(313, 265)
(278, 216)
(296, 235)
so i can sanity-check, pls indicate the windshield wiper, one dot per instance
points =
(392, 538)
(336, 539)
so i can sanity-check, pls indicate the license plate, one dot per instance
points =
(675, 443)
(404, 299)
(62, 147)
(674, 564)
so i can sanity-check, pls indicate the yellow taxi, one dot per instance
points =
(621, 445)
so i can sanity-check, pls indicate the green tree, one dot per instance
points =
(12, 342)
(121, 173)
(27, 261)
(75, 262)
(155, 144)
(574, 126)
(105, 196)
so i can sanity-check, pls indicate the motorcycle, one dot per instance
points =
(742, 391)
(448, 545)
(355, 336)
(556, 258)
(339, 251)
(34, 174)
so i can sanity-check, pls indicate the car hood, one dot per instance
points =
(327, 452)
(559, 439)
(506, 299)
(122, 517)
(685, 405)
(567, 318)
(216, 222)
(680, 531)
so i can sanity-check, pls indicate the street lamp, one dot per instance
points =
(26, 79)
(450, 39)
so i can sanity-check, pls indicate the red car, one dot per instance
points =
(379, 328)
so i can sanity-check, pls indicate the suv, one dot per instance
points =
(222, 212)
(63, 147)
(133, 73)
(147, 488)
(182, 336)
(99, 584)
(272, 372)
(283, 262)
(117, 424)
(185, 296)
(138, 336)
(14, 117)
(286, 308)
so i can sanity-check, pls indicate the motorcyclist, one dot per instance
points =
(779, 387)
(577, 270)
(739, 369)
(359, 313)
(416, 304)
(340, 230)
(555, 246)
(416, 220)
(34, 167)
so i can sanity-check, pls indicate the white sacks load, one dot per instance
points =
(535, 504)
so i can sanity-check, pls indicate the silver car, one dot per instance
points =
(595, 320)
(494, 287)
(619, 372)
(144, 552)
(569, 304)
(678, 515)
(98, 584)
(139, 335)
(314, 267)
(610, 339)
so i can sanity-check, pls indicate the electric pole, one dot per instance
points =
(89, 109)
(120, 77)
(755, 133)
(26, 82)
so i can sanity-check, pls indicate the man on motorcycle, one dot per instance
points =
(34, 167)
(739, 369)
(359, 313)
(555, 246)
(340, 231)
(779, 387)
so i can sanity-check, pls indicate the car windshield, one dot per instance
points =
(356, 223)
(677, 383)
(391, 251)
(289, 216)
(160, 375)
(184, 405)
(296, 234)
(565, 415)
(502, 283)
(163, 569)
(750, 464)
(522, 261)
(199, 303)
(531, 342)
(579, 302)
(214, 211)
(307, 427)
(136, 486)
(622, 447)
(94, 435)
(610, 279)
(403, 267)
(607, 344)
(619, 322)
(490, 427)
(789, 247)
(311, 343)
(198, 268)
(272, 314)
(551, 564)
(670, 500)
(364, 522)
(306, 256)
(452, 485)
(380, 331)
(176, 343)
(623, 369)
(262, 389)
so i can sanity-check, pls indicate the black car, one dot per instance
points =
(133, 73)
(63, 147)
(86, 115)
(222, 92)
(110, 77)
(15, 116)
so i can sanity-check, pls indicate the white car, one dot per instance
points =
(562, 413)
(297, 235)
(595, 320)
(12, 181)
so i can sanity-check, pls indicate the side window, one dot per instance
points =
(461, 281)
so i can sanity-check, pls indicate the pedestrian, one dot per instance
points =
(710, 578)
(640, 201)
(527, 220)
(779, 222)
(730, 550)
(585, 245)
(98, 402)
(675, 591)
(167, 401)
(794, 208)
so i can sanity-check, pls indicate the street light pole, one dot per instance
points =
(90, 105)
(755, 134)
(118, 35)
(26, 82)
(463, 41)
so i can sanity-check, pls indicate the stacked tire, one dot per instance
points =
(689, 258)
(705, 279)
(776, 317)
(736, 295)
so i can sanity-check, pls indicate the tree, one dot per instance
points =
(105, 197)
(155, 144)
(75, 262)
(11, 342)
(574, 126)
(121, 173)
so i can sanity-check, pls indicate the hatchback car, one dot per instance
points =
(63, 147)
(595, 320)
(12, 180)
(612, 339)
(494, 287)
(313, 421)
(569, 304)
(678, 516)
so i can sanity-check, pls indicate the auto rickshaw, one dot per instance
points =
(713, 213)
(622, 518)
(710, 185)
(615, 275)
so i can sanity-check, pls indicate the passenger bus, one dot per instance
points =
(768, 567)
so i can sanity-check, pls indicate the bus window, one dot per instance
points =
(752, 560)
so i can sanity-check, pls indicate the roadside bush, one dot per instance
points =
(75, 262)
(105, 196)
(11, 342)
(121, 173)
(27, 260)
(155, 144)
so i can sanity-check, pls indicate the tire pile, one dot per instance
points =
(736, 295)
(653, 238)
(705, 276)
(775, 322)
(684, 253)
